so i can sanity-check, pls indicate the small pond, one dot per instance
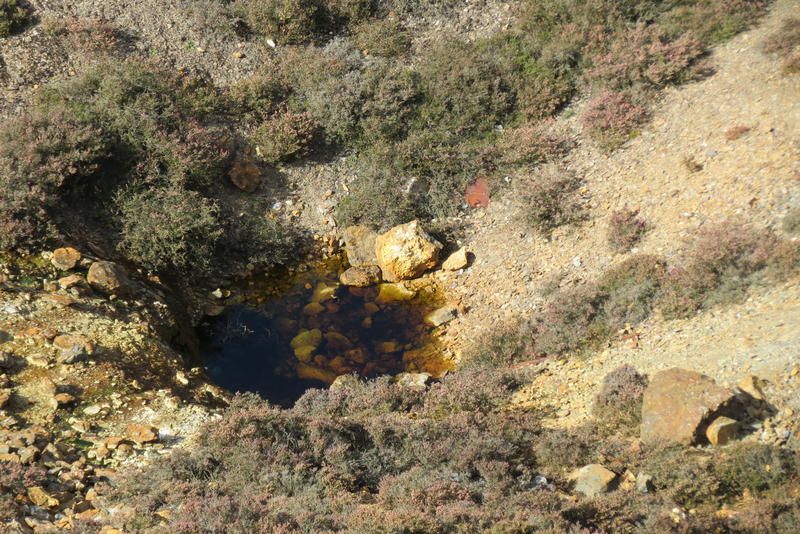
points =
(279, 343)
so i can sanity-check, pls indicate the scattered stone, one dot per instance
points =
(60, 301)
(5, 396)
(722, 430)
(394, 293)
(644, 483)
(108, 277)
(62, 399)
(359, 244)
(751, 385)
(406, 251)
(457, 260)
(73, 348)
(593, 479)
(94, 409)
(678, 403)
(40, 497)
(142, 433)
(361, 276)
(70, 281)
(245, 174)
(441, 315)
(313, 308)
(65, 258)
(413, 380)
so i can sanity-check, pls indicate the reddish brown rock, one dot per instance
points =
(361, 276)
(70, 281)
(359, 244)
(142, 433)
(108, 277)
(65, 258)
(678, 405)
(245, 174)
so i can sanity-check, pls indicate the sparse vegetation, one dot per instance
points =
(785, 43)
(625, 229)
(619, 401)
(548, 198)
(13, 16)
(791, 221)
(611, 118)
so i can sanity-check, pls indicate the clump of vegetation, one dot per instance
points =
(92, 35)
(284, 136)
(718, 268)
(785, 43)
(619, 401)
(611, 118)
(384, 37)
(548, 199)
(791, 221)
(286, 21)
(625, 229)
(13, 16)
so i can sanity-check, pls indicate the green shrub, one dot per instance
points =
(501, 347)
(44, 158)
(169, 230)
(684, 475)
(345, 12)
(382, 37)
(286, 21)
(548, 199)
(784, 43)
(791, 221)
(625, 229)
(12, 17)
(284, 136)
(755, 467)
(257, 96)
(619, 401)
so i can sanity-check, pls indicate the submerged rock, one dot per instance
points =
(307, 338)
(406, 251)
(394, 293)
(361, 276)
(312, 372)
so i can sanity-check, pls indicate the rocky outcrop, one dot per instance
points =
(678, 405)
(406, 251)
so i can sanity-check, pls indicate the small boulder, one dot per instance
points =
(457, 260)
(722, 430)
(245, 174)
(678, 404)
(644, 483)
(141, 433)
(751, 385)
(70, 281)
(593, 479)
(40, 497)
(359, 244)
(406, 251)
(413, 380)
(310, 338)
(108, 277)
(440, 316)
(361, 276)
(65, 258)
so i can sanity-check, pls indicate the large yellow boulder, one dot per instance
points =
(406, 251)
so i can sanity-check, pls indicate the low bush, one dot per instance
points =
(717, 269)
(619, 401)
(285, 21)
(257, 96)
(643, 57)
(384, 37)
(284, 136)
(548, 199)
(755, 467)
(169, 229)
(13, 16)
(528, 145)
(611, 118)
(785, 44)
(93, 35)
(711, 21)
(625, 229)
